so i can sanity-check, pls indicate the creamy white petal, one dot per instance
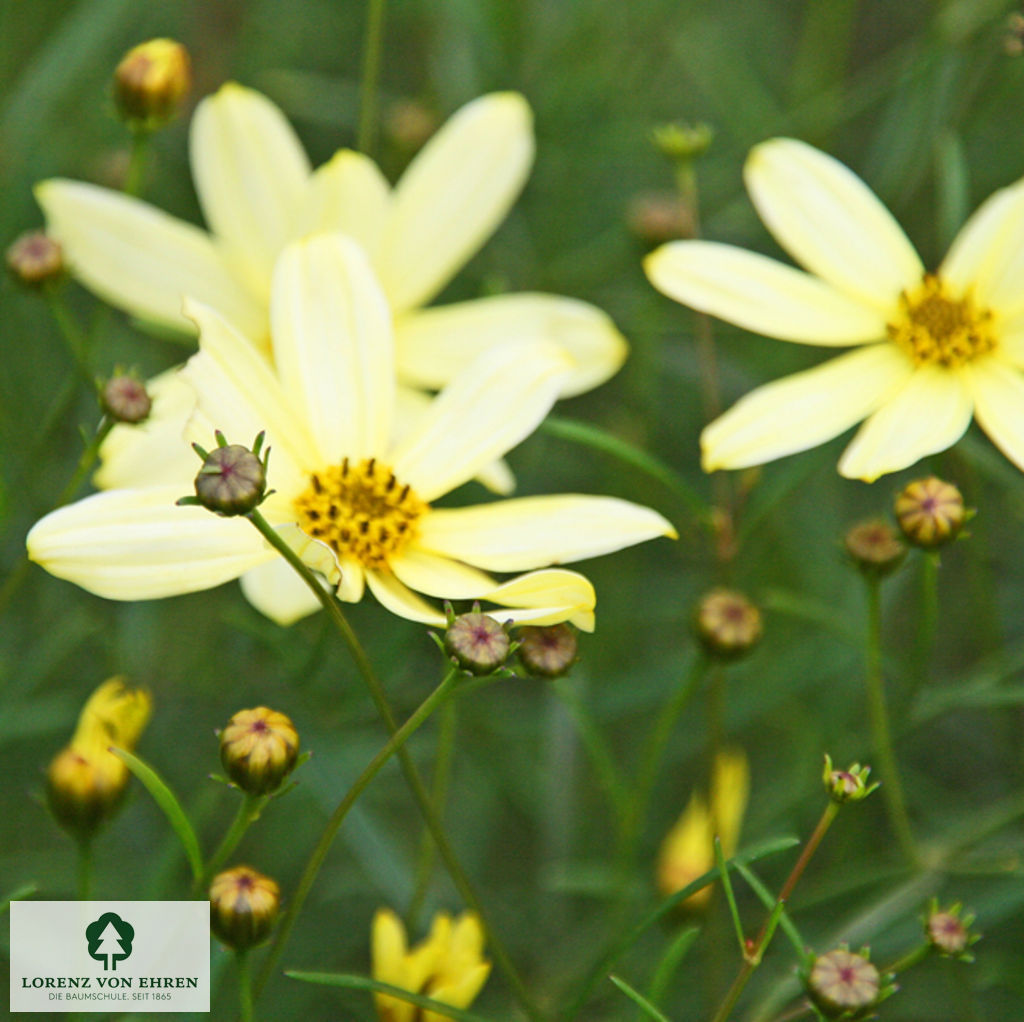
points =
(432, 345)
(440, 576)
(453, 196)
(333, 345)
(532, 532)
(831, 222)
(315, 554)
(806, 409)
(1011, 342)
(760, 294)
(250, 172)
(138, 258)
(353, 580)
(400, 600)
(348, 195)
(546, 597)
(137, 545)
(275, 590)
(154, 451)
(928, 414)
(998, 391)
(239, 394)
(492, 405)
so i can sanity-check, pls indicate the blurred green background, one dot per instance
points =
(924, 100)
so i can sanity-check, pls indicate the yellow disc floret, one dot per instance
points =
(934, 328)
(361, 511)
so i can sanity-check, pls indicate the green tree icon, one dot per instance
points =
(110, 940)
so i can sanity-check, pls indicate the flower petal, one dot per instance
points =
(400, 600)
(546, 598)
(275, 590)
(432, 345)
(492, 405)
(928, 414)
(998, 392)
(831, 222)
(440, 576)
(137, 545)
(533, 532)
(760, 294)
(238, 392)
(453, 196)
(805, 409)
(332, 345)
(141, 260)
(348, 195)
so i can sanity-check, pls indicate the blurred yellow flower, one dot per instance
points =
(448, 966)
(934, 349)
(687, 851)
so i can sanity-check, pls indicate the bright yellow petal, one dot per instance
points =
(138, 258)
(389, 953)
(433, 345)
(453, 196)
(238, 392)
(533, 532)
(348, 195)
(493, 404)
(730, 790)
(458, 992)
(545, 597)
(251, 174)
(998, 391)
(760, 294)
(332, 345)
(928, 414)
(401, 600)
(137, 545)
(803, 410)
(275, 590)
(440, 576)
(831, 222)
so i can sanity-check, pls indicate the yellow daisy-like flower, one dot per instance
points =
(933, 349)
(448, 966)
(354, 502)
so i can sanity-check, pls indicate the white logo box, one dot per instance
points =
(110, 956)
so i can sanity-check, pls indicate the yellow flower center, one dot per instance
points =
(361, 511)
(935, 329)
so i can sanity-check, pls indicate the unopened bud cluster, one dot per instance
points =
(875, 548)
(930, 512)
(125, 399)
(476, 642)
(949, 932)
(548, 651)
(728, 624)
(35, 258)
(243, 907)
(151, 81)
(233, 478)
(258, 749)
(844, 984)
(849, 785)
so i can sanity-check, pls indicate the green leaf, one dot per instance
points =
(350, 982)
(18, 894)
(637, 998)
(768, 900)
(168, 802)
(670, 961)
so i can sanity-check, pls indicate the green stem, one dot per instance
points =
(244, 985)
(137, 161)
(929, 617)
(367, 131)
(439, 795)
(892, 787)
(74, 336)
(248, 813)
(85, 870)
(419, 791)
(911, 958)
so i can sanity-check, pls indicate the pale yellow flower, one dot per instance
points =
(687, 851)
(932, 349)
(356, 503)
(448, 966)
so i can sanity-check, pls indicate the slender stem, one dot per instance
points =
(439, 795)
(752, 959)
(137, 161)
(892, 787)
(911, 958)
(412, 777)
(244, 985)
(929, 617)
(74, 336)
(85, 869)
(248, 813)
(367, 131)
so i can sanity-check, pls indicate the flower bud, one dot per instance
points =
(151, 81)
(477, 642)
(548, 651)
(683, 142)
(728, 624)
(233, 479)
(125, 399)
(930, 512)
(243, 907)
(258, 749)
(850, 785)
(875, 548)
(948, 932)
(35, 258)
(656, 217)
(842, 983)
(409, 123)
